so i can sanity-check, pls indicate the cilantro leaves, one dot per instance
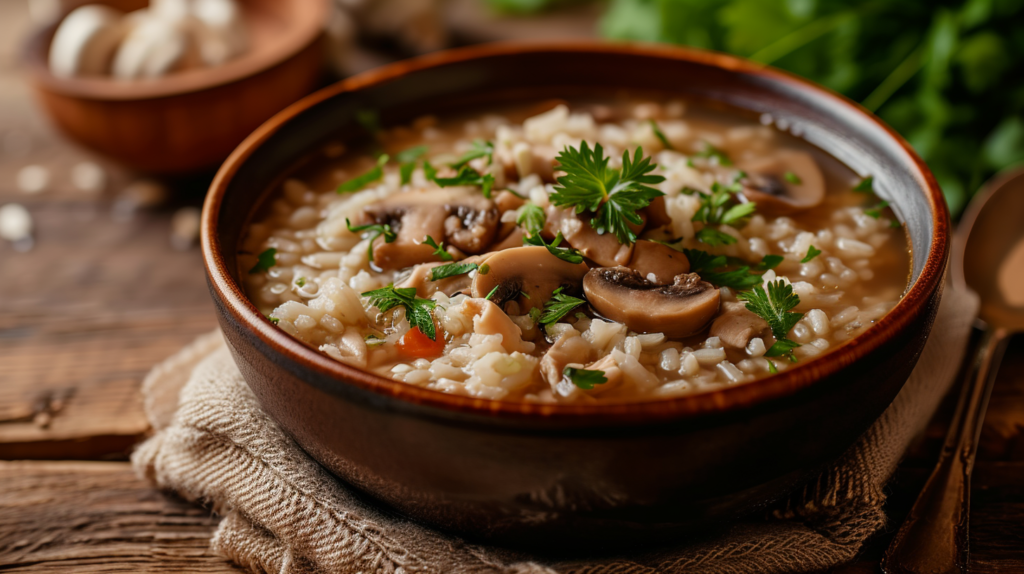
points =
(558, 306)
(418, 311)
(614, 196)
(265, 261)
(583, 378)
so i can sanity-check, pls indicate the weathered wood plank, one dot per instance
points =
(98, 517)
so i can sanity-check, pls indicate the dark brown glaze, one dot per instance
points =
(190, 120)
(559, 474)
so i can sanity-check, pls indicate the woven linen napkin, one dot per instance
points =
(283, 513)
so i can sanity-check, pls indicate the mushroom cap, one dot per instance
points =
(601, 248)
(532, 270)
(459, 216)
(737, 325)
(657, 262)
(766, 182)
(678, 310)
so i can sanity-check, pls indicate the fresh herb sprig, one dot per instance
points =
(438, 248)
(479, 148)
(585, 379)
(418, 311)
(564, 253)
(452, 269)
(359, 182)
(372, 232)
(264, 261)
(712, 268)
(531, 218)
(467, 176)
(812, 252)
(558, 306)
(773, 305)
(614, 196)
(407, 161)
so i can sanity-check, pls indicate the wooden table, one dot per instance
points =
(101, 299)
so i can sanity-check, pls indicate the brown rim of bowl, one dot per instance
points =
(304, 31)
(775, 386)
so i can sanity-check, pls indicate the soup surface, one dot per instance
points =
(575, 252)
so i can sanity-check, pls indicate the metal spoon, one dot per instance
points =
(988, 257)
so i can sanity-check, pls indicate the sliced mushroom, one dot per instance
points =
(418, 277)
(527, 275)
(737, 325)
(567, 349)
(679, 310)
(462, 218)
(506, 201)
(657, 262)
(656, 213)
(601, 248)
(787, 181)
(513, 239)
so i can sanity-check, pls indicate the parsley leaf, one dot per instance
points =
(479, 148)
(418, 311)
(564, 253)
(812, 252)
(583, 378)
(407, 161)
(531, 218)
(359, 182)
(773, 305)
(661, 135)
(738, 212)
(559, 306)
(769, 262)
(438, 249)
(614, 196)
(451, 270)
(711, 151)
(265, 261)
(792, 178)
(876, 211)
(866, 185)
(782, 348)
(714, 237)
(703, 261)
(429, 171)
(373, 231)
(737, 279)
(467, 176)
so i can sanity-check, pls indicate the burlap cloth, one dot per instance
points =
(284, 513)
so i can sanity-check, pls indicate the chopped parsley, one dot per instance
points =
(660, 135)
(478, 149)
(773, 305)
(373, 231)
(812, 252)
(792, 178)
(711, 151)
(359, 182)
(703, 261)
(559, 306)
(714, 237)
(535, 313)
(772, 368)
(769, 262)
(564, 253)
(274, 320)
(418, 311)
(264, 261)
(722, 205)
(451, 270)
(583, 378)
(614, 196)
(866, 185)
(407, 161)
(438, 248)
(467, 176)
(709, 267)
(531, 218)
(876, 211)
(493, 291)
(301, 281)
(373, 340)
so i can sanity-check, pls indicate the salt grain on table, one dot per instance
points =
(185, 228)
(33, 178)
(89, 177)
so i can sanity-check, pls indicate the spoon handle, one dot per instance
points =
(933, 539)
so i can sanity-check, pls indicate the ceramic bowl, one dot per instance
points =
(191, 120)
(542, 475)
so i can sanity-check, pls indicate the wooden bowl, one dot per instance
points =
(542, 475)
(190, 120)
